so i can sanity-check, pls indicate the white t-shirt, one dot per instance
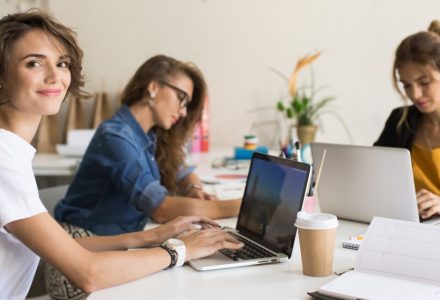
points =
(18, 200)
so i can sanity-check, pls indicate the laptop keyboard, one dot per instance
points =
(248, 252)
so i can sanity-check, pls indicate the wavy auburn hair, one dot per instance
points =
(170, 143)
(15, 26)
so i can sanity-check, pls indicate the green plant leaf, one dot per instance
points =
(305, 120)
(303, 106)
(322, 103)
(280, 106)
(297, 106)
(289, 113)
(305, 103)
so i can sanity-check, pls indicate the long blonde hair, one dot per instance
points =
(171, 142)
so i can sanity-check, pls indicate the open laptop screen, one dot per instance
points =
(274, 193)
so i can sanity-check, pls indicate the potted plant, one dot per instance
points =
(304, 107)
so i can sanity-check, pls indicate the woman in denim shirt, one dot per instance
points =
(134, 169)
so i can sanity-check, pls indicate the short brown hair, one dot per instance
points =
(15, 26)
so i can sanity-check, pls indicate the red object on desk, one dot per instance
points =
(204, 126)
(200, 139)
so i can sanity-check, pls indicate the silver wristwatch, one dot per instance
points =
(177, 250)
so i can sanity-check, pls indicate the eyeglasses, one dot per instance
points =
(181, 95)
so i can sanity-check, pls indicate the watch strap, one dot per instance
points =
(173, 254)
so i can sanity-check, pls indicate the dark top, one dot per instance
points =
(402, 138)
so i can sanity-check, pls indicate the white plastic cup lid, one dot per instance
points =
(253, 140)
(306, 220)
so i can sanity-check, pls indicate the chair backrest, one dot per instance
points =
(50, 196)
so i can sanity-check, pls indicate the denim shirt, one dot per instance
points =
(117, 186)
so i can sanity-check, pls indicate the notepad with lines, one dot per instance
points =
(397, 260)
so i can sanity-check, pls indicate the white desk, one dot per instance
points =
(52, 164)
(277, 281)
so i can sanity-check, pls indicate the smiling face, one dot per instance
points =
(168, 104)
(38, 75)
(422, 86)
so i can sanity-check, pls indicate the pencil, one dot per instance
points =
(318, 176)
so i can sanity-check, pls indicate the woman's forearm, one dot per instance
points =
(121, 242)
(110, 268)
(86, 269)
(188, 181)
(172, 207)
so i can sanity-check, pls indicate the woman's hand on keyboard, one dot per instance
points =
(201, 243)
(180, 225)
(428, 203)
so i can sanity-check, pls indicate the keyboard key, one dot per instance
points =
(248, 252)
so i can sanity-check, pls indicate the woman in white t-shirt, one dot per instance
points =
(40, 62)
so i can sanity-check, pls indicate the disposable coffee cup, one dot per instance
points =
(317, 233)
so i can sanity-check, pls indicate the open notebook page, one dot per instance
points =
(403, 249)
(397, 260)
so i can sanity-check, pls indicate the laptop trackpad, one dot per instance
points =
(221, 261)
(214, 261)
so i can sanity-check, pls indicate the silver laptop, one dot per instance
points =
(274, 193)
(360, 182)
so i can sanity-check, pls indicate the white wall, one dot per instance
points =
(234, 41)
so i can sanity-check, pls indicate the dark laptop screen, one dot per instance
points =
(274, 193)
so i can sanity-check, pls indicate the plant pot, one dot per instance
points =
(306, 133)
